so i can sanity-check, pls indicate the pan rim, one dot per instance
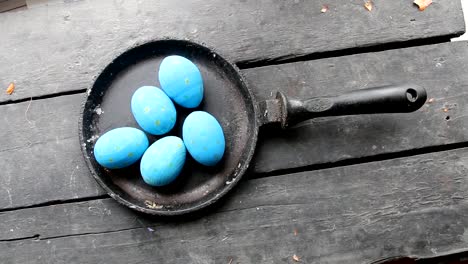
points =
(242, 168)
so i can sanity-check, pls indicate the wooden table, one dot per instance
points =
(331, 190)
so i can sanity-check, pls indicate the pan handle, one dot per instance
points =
(387, 99)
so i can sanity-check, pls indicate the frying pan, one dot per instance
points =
(228, 98)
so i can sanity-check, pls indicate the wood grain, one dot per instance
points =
(355, 214)
(11, 4)
(61, 47)
(41, 160)
(40, 153)
(441, 69)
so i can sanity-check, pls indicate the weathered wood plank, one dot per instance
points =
(40, 153)
(409, 206)
(43, 138)
(11, 4)
(441, 69)
(61, 47)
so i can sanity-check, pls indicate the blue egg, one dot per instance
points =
(153, 110)
(120, 147)
(204, 138)
(163, 161)
(181, 80)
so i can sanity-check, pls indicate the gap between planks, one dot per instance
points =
(253, 64)
(348, 162)
(38, 237)
(363, 160)
(315, 167)
(56, 202)
(291, 58)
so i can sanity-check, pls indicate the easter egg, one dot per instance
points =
(120, 147)
(163, 161)
(204, 138)
(181, 80)
(153, 110)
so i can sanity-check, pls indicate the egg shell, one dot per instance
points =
(120, 147)
(204, 138)
(153, 110)
(181, 80)
(163, 161)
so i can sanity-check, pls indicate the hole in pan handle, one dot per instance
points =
(387, 99)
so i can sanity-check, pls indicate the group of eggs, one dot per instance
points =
(155, 113)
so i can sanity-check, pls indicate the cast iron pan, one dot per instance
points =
(229, 99)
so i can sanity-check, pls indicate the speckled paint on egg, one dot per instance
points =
(163, 161)
(204, 138)
(120, 147)
(153, 110)
(181, 80)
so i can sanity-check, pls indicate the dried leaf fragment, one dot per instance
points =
(422, 4)
(10, 88)
(152, 205)
(324, 8)
(296, 258)
(368, 5)
(230, 261)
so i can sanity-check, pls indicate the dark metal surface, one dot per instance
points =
(226, 97)
(229, 99)
(387, 99)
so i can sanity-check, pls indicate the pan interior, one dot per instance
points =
(226, 97)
